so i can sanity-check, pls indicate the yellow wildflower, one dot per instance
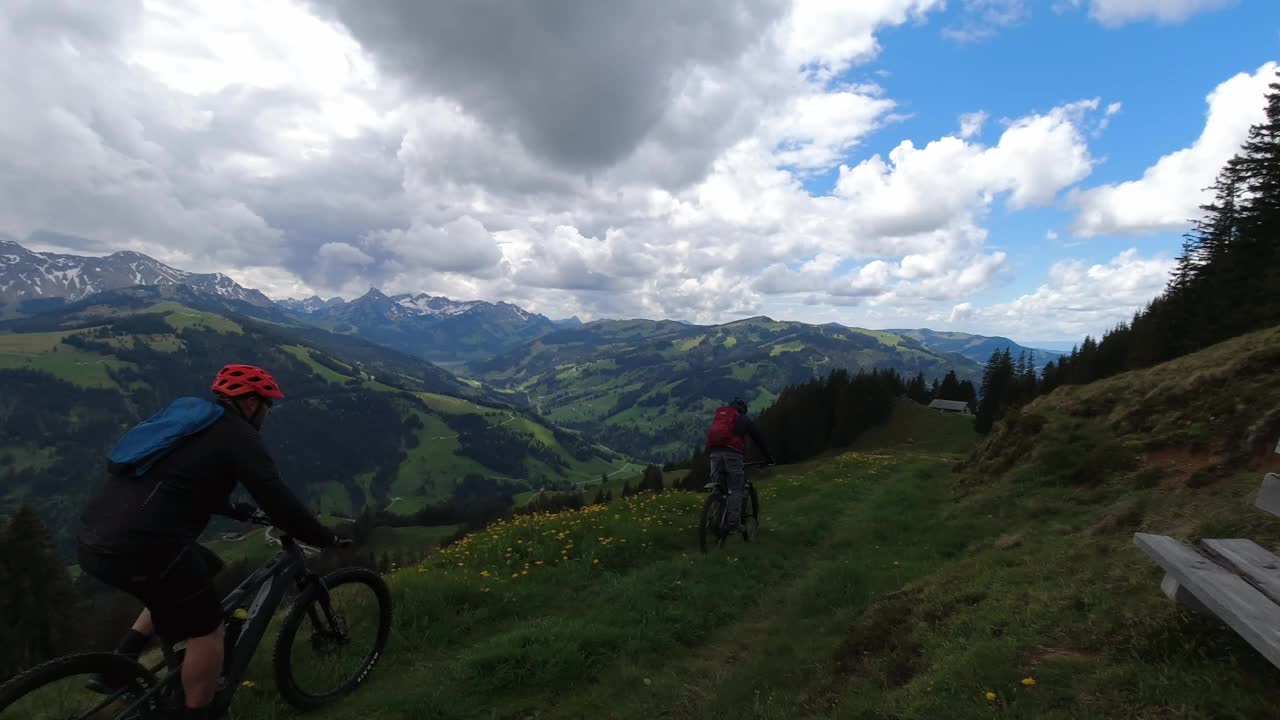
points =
(991, 696)
(247, 683)
(1029, 682)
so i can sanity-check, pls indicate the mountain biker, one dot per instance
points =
(166, 477)
(726, 448)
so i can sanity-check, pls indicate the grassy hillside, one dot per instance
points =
(884, 584)
(385, 431)
(647, 388)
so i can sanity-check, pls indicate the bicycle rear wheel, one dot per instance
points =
(332, 637)
(57, 690)
(709, 523)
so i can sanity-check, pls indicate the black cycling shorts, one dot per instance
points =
(175, 585)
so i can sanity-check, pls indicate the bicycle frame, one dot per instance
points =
(267, 586)
(746, 479)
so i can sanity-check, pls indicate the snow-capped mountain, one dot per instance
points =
(310, 305)
(27, 275)
(408, 305)
(429, 326)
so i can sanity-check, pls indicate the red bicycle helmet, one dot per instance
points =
(236, 380)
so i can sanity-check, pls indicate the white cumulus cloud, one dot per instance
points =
(1170, 192)
(1076, 299)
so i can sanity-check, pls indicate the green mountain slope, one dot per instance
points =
(647, 387)
(883, 585)
(977, 348)
(389, 430)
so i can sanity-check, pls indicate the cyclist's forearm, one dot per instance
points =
(290, 515)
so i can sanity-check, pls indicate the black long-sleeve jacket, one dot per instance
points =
(171, 503)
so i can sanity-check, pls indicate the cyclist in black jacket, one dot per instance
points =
(139, 531)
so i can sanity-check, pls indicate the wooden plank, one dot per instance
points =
(1175, 592)
(1250, 560)
(1237, 603)
(1269, 496)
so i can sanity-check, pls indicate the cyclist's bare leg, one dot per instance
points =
(143, 625)
(201, 667)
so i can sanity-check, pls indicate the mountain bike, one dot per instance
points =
(328, 643)
(715, 509)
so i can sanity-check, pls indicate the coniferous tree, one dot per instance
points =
(36, 595)
(918, 390)
(997, 383)
(950, 388)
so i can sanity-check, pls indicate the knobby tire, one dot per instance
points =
(305, 607)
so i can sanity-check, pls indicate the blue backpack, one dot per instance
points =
(140, 448)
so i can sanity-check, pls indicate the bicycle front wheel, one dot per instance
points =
(58, 690)
(332, 637)
(751, 516)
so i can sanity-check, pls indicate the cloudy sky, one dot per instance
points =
(1023, 167)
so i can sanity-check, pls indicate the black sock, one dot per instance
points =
(200, 713)
(132, 644)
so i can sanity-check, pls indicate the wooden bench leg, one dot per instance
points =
(1175, 592)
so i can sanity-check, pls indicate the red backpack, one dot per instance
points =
(721, 433)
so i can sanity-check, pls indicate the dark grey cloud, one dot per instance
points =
(580, 82)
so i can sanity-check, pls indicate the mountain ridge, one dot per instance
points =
(975, 347)
(31, 275)
(361, 425)
(645, 386)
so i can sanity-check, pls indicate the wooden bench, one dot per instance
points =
(1237, 581)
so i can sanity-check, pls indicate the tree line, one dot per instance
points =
(1226, 282)
(813, 417)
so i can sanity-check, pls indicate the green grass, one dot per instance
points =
(449, 405)
(181, 317)
(415, 538)
(328, 374)
(329, 496)
(883, 585)
(67, 363)
(29, 458)
(887, 338)
(434, 463)
(687, 344)
(31, 343)
(915, 425)
(744, 371)
(793, 346)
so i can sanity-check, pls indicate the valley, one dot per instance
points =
(351, 436)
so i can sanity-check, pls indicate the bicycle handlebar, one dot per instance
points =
(255, 516)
